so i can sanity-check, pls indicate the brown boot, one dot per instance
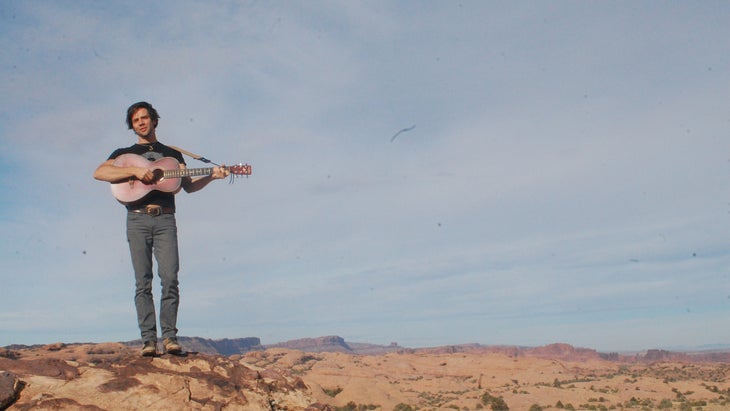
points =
(172, 346)
(149, 349)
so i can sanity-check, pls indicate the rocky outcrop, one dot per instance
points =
(10, 387)
(334, 343)
(658, 355)
(113, 376)
(565, 352)
(225, 346)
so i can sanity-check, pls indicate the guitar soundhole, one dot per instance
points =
(158, 174)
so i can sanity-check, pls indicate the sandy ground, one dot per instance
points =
(461, 380)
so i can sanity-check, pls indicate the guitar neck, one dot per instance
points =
(188, 172)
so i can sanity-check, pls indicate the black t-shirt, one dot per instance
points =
(151, 152)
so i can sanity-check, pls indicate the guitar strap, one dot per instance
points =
(193, 155)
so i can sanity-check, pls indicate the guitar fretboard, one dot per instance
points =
(188, 172)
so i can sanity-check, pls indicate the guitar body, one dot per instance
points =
(131, 190)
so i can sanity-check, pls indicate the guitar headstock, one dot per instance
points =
(240, 170)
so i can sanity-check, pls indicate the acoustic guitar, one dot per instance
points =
(167, 176)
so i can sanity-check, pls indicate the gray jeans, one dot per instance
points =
(148, 235)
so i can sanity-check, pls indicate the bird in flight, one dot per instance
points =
(402, 131)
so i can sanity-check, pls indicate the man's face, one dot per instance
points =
(142, 123)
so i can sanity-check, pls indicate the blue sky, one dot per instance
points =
(566, 179)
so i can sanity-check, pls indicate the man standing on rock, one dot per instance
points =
(151, 225)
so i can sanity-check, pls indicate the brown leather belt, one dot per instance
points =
(153, 210)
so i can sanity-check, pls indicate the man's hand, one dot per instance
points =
(192, 185)
(145, 175)
(220, 172)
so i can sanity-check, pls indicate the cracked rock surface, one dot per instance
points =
(112, 376)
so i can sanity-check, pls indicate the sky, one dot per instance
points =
(561, 174)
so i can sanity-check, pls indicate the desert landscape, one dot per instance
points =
(328, 373)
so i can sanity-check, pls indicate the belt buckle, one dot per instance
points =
(154, 211)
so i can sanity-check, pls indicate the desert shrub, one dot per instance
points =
(403, 407)
(497, 403)
(535, 407)
(350, 406)
(332, 392)
(634, 402)
(486, 398)
(307, 358)
(665, 404)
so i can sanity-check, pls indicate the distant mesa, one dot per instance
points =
(330, 343)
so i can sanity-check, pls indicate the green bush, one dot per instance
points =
(332, 392)
(350, 406)
(497, 403)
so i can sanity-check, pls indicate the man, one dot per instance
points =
(151, 227)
